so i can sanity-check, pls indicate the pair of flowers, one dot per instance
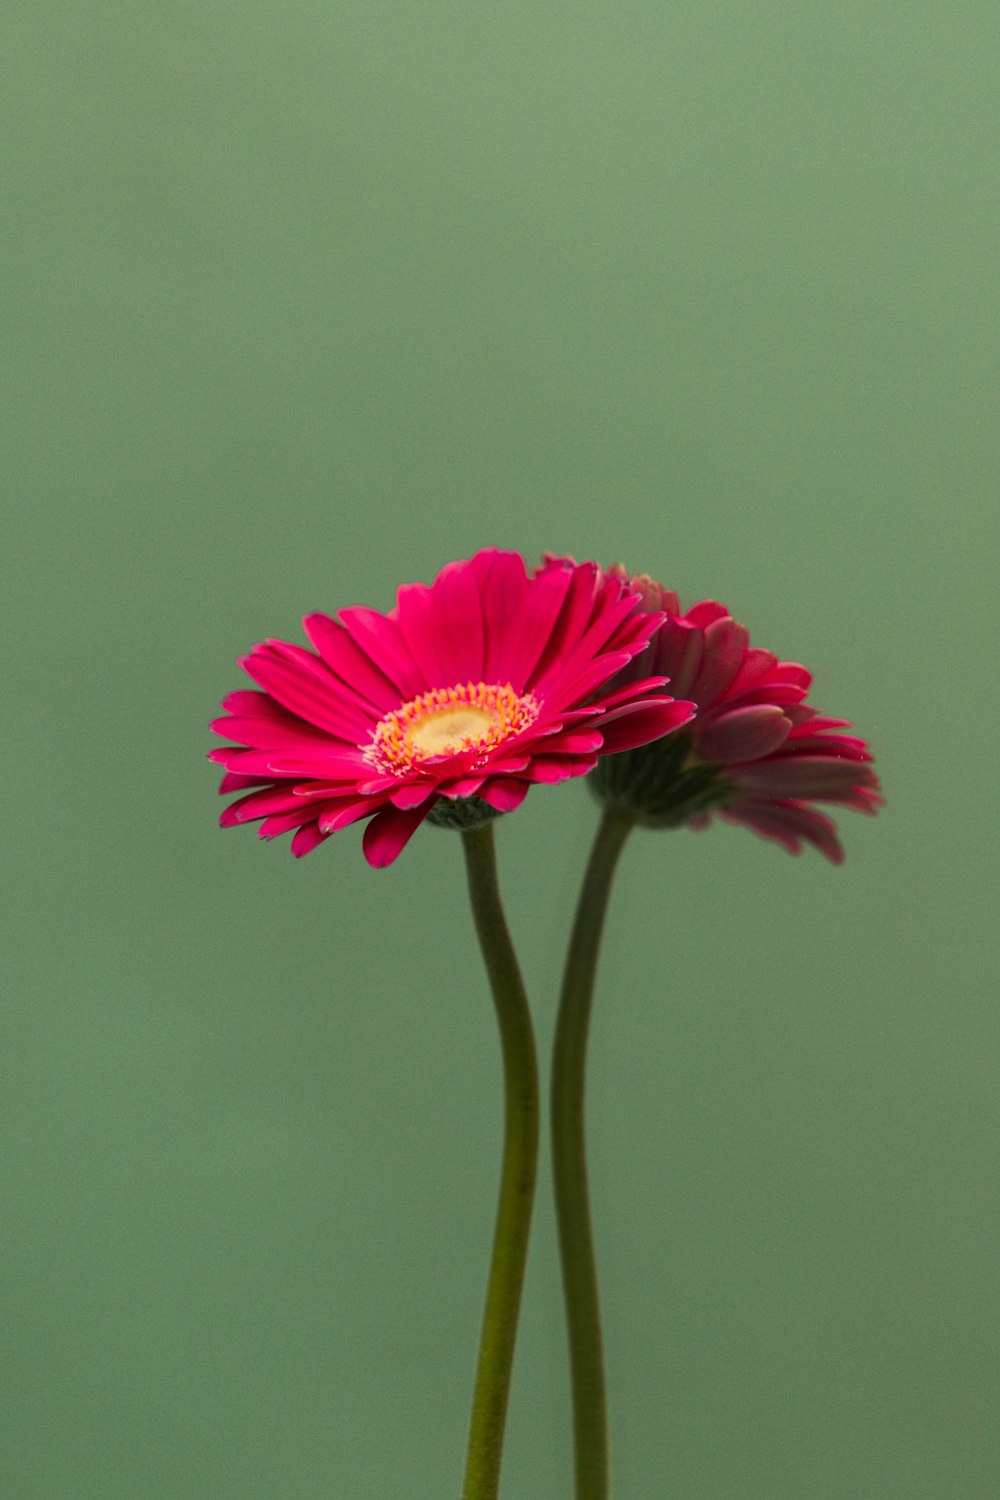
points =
(492, 678)
(449, 707)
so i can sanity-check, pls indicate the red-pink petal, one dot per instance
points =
(742, 734)
(863, 799)
(319, 703)
(509, 765)
(248, 703)
(279, 823)
(638, 687)
(570, 623)
(794, 776)
(792, 672)
(338, 815)
(564, 689)
(505, 794)
(580, 740)
(706, 612)
(389, 832)
(451, 614)
(504, 592)
(258, 733)
(234, 782)
(381, 640)
(678, 650)
(427, 645)
(467, 787)
(259, 804)
(517, 642)
(626, 728)
(351, 664)
(308, 838)
(725, 645)
(755, 669)
(336, 762)
(560, 768)
(807, 720)
(788, 825)
(785, 693)
(413, 795)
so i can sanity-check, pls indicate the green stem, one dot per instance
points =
(569, 1162)
(517, 1181)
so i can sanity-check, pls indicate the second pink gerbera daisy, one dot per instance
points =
(451, 705)
(755, 752)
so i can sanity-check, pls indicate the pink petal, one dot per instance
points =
(456, 620)
(795, 776)
(863, 799)
(505, 794)
(376, 785)
(268, 734)
(389, 832)
(260, 804)
(569, 625)
(319, 702)
(416, 614)
(809, 720)
(351, 664)
(678, 651)
(633, 633)
(560, 768)
(308, 838)
(582, 740)
(337, 762)
(792, 672)
(742, 734)
(509, 765)
(640, 724)
(467, 787)
(313, 790)
(788, 824)
(234, 782)
(504, 593)
(517, 640)
(233, 756)
(725, 646)
(412, 795)
(785, 693)
(706, 613)
(567, 688)
(552, 721)
(340, 815)
(615, 624)
(843, 746)
(308, 665)
(756, 668)
(279, 823)
(380, 638)
(248, 703)
(638, 687)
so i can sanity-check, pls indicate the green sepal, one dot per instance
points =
(659, 784)
(461, 813)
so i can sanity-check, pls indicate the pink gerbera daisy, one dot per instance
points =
(450, 705)
(755, 751)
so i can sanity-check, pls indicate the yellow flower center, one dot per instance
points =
(446, 721)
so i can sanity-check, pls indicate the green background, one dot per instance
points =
(303, 301)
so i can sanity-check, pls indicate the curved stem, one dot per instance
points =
(517, 1182)
(569, 1162)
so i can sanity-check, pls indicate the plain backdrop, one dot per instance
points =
(302, 301)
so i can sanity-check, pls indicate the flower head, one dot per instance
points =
(450, 705)
(755, 751)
